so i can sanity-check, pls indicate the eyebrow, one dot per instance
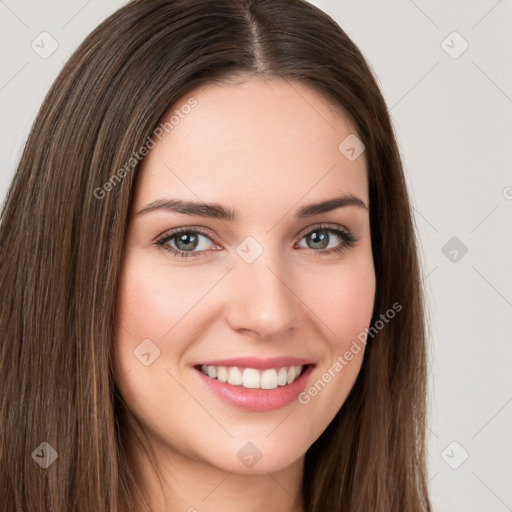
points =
(218, 211)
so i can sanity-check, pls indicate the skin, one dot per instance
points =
(264, 148)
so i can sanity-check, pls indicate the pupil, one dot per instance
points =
(187, 240)
(320, 240)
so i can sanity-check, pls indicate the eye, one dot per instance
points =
(184, 243)
(322, 239)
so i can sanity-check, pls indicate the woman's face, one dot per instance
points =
(257, 284)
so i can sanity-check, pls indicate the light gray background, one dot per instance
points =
(453, 122)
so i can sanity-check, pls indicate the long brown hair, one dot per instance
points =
(61, 245)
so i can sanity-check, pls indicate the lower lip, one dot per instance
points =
(257, 400)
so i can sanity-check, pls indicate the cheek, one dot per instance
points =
(344, 308)
(149, 305)
(152, 301)
(345, 304)
(142, 304)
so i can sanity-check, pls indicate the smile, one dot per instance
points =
(254, 384)
(252, 378)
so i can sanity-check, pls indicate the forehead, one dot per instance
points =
(258, 142)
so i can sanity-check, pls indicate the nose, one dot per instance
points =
(261, 298)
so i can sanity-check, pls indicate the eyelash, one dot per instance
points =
(349, 240)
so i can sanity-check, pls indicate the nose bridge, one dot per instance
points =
(260, 298)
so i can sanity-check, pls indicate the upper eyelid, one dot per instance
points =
(194, 229)
(324, 225)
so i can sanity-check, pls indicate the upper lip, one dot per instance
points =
(258, 363)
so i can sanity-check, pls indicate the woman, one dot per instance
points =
(211, 287)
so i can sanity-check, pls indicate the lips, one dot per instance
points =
(256, 384)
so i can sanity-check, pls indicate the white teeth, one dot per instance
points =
(235, 376)
(269, 379)
(252, 378)
(222, 374)
(282, 376)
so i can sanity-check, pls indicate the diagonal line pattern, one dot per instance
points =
(301, 300)
(492, 211)
(510, 400)
(13, 13)
(485, 15)
(285, 490)
(299, 94)
(279, 423)
(123, 377)
(492, 81)
(200, 404)
(430, 273)
(200, 199)
(298, 201)
(424, 14)
(417, 83)
(432, 432)
(426, 220)
(126, 330)
(428, 427)
(220, 483)
(508, 508)
(13, 77)
(76, 14)
(493, 287)
(211, 288)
